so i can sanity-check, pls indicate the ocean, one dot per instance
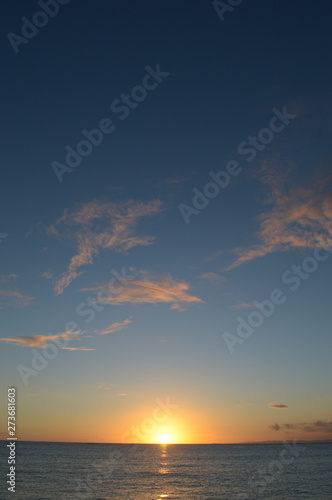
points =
(169, 472)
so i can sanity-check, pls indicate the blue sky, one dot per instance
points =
(119, 210)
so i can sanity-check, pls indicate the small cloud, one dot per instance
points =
(278, 407)
(48, 274)
(242, 305)
(212, 277)
(103, 386)
(122, 394)
(162, 340)
(115, 327)
(275, 427)
(14, 298)
(321, 397)
(77, 349)
(173, 181)
(214, 255)
(40, 341)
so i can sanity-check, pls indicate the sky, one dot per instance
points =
(166, 221)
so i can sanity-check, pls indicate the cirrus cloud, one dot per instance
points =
(148, 291)
(40, 341)
(97, 226)
(115, 327)
(14, 298)
(298, 217)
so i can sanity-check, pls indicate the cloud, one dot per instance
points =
(48, 274)
(146, 291)
(7, 277)
(242, 305)
(115, 327)
(13, 298)
(173, 181)
(298, 217)
(275, 427)
(214, 255)
(77, 349)
(97, 226)
(321, 397)
(316, 426)
(103, 386)
(40, 341)
(122, 394)
(278, 407)
(212, 277)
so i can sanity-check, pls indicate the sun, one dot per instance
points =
(163, 439)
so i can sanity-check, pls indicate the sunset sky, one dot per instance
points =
(137, 279)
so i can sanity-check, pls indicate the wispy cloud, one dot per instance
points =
(8, 277)
(278, 407)
(243, 305)
(146, 291)
(103, 386)
(77, 349)
(212, 277)
(48, 274)
(97, 226)
(40, 341)
(317, 426)
(298, 217)
(14, 298)
(214, 255)
(115, 327)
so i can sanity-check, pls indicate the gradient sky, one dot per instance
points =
(162, 334)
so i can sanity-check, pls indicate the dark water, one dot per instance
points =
(156, 472)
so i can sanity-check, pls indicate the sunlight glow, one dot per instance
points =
(163, 439)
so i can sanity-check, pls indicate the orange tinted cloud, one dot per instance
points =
(13, 298)
(97, 226)
(300, 217)
(242, 305)
(212, 277)
(278, 407)
(77, 349)
(115, 327)
(146, 291)
(317, 426)
(40, 341)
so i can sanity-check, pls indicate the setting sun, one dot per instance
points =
(164, 439)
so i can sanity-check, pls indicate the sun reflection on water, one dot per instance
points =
(164, 462)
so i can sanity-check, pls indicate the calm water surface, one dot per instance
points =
(159, 472)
